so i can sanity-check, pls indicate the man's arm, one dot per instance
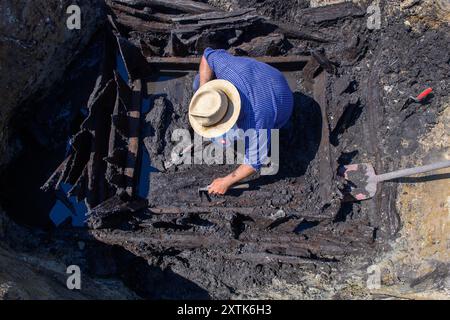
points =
(221, 185)
(206, 73)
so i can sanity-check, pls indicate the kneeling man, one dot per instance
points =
(239, 93)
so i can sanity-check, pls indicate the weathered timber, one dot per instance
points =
(189, 19)
(324, 62)
(133, 59)
(189, 39)
(325, 161)
(329, 14)
(81, 147)
(219, 24)
(268, 258)
(117, 149)
(80, 188)
(265, 197)
(114, 211)
(134, 117)
(287, 245)
(192, 63)
(293, 32)
(386, 197)
(217, 208)
(98, 124)
(104, 151)
(310, 71)
(273, 44)
(56, 178)
(133, 23)
(122, 9)
(186, 6)
(201, 210)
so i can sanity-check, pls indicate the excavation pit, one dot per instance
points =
(291, 228)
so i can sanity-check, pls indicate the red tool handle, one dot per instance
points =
(424, 94)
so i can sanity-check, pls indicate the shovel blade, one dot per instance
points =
(362, 183)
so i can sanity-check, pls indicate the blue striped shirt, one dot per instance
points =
(266, 99)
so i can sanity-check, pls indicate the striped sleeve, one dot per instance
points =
(211, 56)
(257, 148)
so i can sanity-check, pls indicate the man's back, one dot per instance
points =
(267, 100)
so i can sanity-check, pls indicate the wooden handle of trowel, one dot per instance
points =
(235, 187)
(240, 186)
(411, 171)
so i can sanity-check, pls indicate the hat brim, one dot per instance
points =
(230, 118)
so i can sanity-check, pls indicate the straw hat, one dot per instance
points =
(214, 108)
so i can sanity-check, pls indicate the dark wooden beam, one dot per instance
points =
(134, 116)
(187, 6)
(325, 160)
(192, 63)
(211, 16)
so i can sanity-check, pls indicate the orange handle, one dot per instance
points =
(424, 94)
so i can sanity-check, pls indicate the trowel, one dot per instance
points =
(204, 190)
(363, 180)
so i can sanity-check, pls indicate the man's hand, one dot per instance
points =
(219, 186)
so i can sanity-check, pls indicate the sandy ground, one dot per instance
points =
(424, 241)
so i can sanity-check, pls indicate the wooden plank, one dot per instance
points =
(137, 24)
(192, 63)
(211, 16)
(134, 116)
(187, 6)
(328, 14)
(266, 258)
(326, 171)
(288, 245)
(248, 211)
(120, 9)
(294, 32)
(201, 210)
(56, 178)
(226, 23)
